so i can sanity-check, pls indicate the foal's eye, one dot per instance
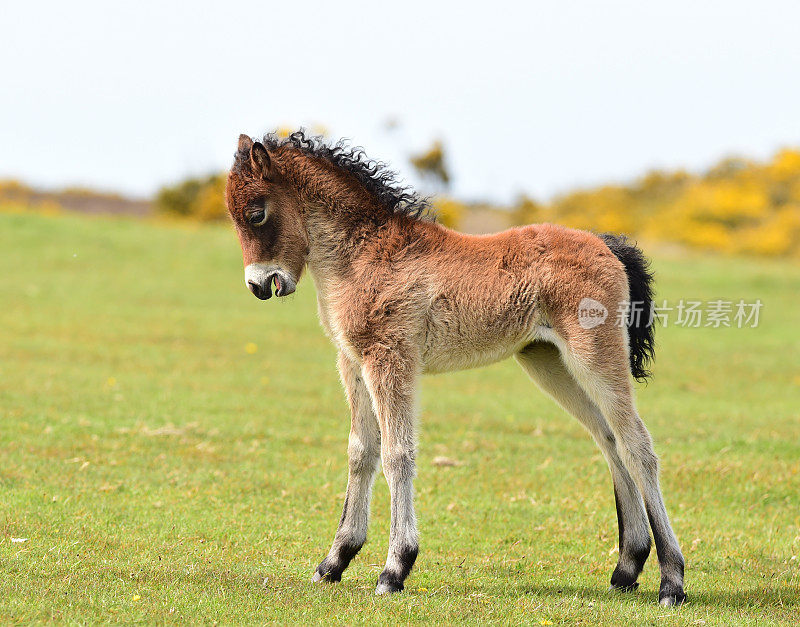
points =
(257, 218)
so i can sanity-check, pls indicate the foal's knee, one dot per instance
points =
(363, 456)
(399, 464)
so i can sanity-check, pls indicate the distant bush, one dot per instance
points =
(738, 206)
(432, 164)
(13, 192)
(449, 211)
(199, 198)
(18, 196)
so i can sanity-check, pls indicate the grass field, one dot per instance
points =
(174, 450)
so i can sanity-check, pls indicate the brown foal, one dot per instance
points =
(401, 296)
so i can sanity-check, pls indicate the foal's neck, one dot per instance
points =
(340, 214)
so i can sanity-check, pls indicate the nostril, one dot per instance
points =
(254, 288)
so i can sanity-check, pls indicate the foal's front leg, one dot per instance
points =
(391, 377)
(364, 452)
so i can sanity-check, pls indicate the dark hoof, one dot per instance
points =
(672, 600)
(671, 596)
(389, 583)
(622, 581)
(326, 573)
(388, 587)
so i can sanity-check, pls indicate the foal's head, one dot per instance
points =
(267, 213)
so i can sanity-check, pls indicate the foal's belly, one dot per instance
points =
(447, 360)
(461, 349)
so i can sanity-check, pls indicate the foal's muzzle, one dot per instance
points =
(261, 277)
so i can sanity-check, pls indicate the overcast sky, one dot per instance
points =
(532, 97)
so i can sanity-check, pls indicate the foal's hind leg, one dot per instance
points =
(364, 452)
(543, 363)
(600, 364)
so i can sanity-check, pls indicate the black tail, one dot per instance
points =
(640, 279)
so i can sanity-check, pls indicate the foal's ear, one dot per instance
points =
(245, 143)
(259, 159)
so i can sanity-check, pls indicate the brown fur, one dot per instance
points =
(400, 296)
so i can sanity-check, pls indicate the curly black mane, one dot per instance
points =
(375, 176)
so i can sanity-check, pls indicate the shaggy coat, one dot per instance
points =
(401, 296)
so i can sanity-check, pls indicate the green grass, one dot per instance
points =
(162, 473)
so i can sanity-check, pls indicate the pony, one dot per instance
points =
(401, 296)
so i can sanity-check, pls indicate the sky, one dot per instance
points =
(528, 97)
